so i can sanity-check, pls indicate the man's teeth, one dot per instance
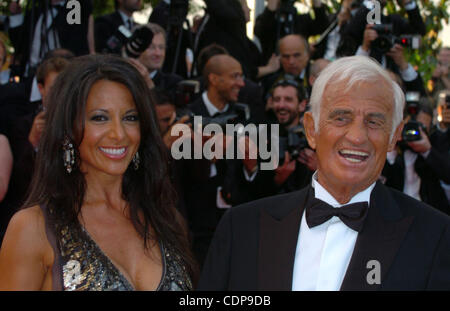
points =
(113, 151)
(354, 152)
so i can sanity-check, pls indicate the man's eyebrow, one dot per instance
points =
(339, 112)
(377, 115)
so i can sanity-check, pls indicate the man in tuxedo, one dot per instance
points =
(106, 26)
(345, 231)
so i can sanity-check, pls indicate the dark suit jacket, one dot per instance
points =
(431, 170)
(266, 28)
(254, 245)
(72, 37)
(105, 27)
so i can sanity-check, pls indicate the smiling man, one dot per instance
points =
(346, 230)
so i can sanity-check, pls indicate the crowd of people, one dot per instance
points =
(89, 186)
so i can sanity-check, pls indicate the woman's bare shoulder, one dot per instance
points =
(26, 255)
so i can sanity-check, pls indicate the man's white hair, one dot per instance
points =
(354, 70)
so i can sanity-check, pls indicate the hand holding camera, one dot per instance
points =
(422, 145)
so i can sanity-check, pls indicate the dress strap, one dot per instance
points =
(57, 277)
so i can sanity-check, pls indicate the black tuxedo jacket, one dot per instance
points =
(254, 245)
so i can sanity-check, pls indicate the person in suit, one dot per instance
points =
(269, 28)
(221, 183)
(106, 26)
(345, 231)
(418, 167)
(295, 63)
(50, 31)
(153, 59)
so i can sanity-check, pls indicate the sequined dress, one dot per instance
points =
(80, 264)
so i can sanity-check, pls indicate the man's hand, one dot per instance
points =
(309, 158)
(396, 53)
(369, 36)
(143, 71)
(248, 148)
(168, 138)
(284, 171)
(422, 145)
(36, 129)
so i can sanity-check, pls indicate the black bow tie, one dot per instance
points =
(353, 215)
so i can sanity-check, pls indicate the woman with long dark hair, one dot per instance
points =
(100, 214)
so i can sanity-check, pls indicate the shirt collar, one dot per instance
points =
(212, 110)
(125, 17)
(153, 74)
(322, 194)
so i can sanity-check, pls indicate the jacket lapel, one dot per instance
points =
(381, 237)
(279, 227)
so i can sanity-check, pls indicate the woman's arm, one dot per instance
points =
(26, 255)
(6, 163)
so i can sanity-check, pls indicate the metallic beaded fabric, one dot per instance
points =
(86, 267)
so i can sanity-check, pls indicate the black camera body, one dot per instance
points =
(239, 115)
(128, 44)
(386, 39)
(411, 130)
(293, 143)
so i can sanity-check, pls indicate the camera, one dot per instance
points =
(411, 130)
(386, 39)
(185, 92)
(128, 44)
(240, 114)
(293, 143)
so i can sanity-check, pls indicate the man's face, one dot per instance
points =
(153, 57)
(48, 83)
(166, 114)
(353, 136)
(130, 5)
(294, 56)
(286, 105)
(230, 81)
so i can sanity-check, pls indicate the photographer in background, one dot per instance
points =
(441, 74)
(394, 61)
(417, 166)
(50, 30)
(440, 137)
(297, 160)
(107, 33)
(280, 18)
(153, 59)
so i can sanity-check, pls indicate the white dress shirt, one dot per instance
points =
(324, 252)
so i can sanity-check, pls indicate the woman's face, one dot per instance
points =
(112, 131)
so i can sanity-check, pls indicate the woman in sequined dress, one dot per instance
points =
(100, 215)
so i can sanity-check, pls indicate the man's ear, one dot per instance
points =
(213, 79)
(302, 106)
(41, 89)
(308, 124)
(396, 136)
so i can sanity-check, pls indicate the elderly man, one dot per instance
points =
(345, 231)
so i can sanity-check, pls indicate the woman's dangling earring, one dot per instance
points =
(68, 155)
(136, 161)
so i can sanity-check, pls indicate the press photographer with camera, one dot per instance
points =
(280, 18)
(111, 30)
(297, 161)
(441, 74)
(417, 167)
(225, 182)
(392, 59)
(393, 29)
